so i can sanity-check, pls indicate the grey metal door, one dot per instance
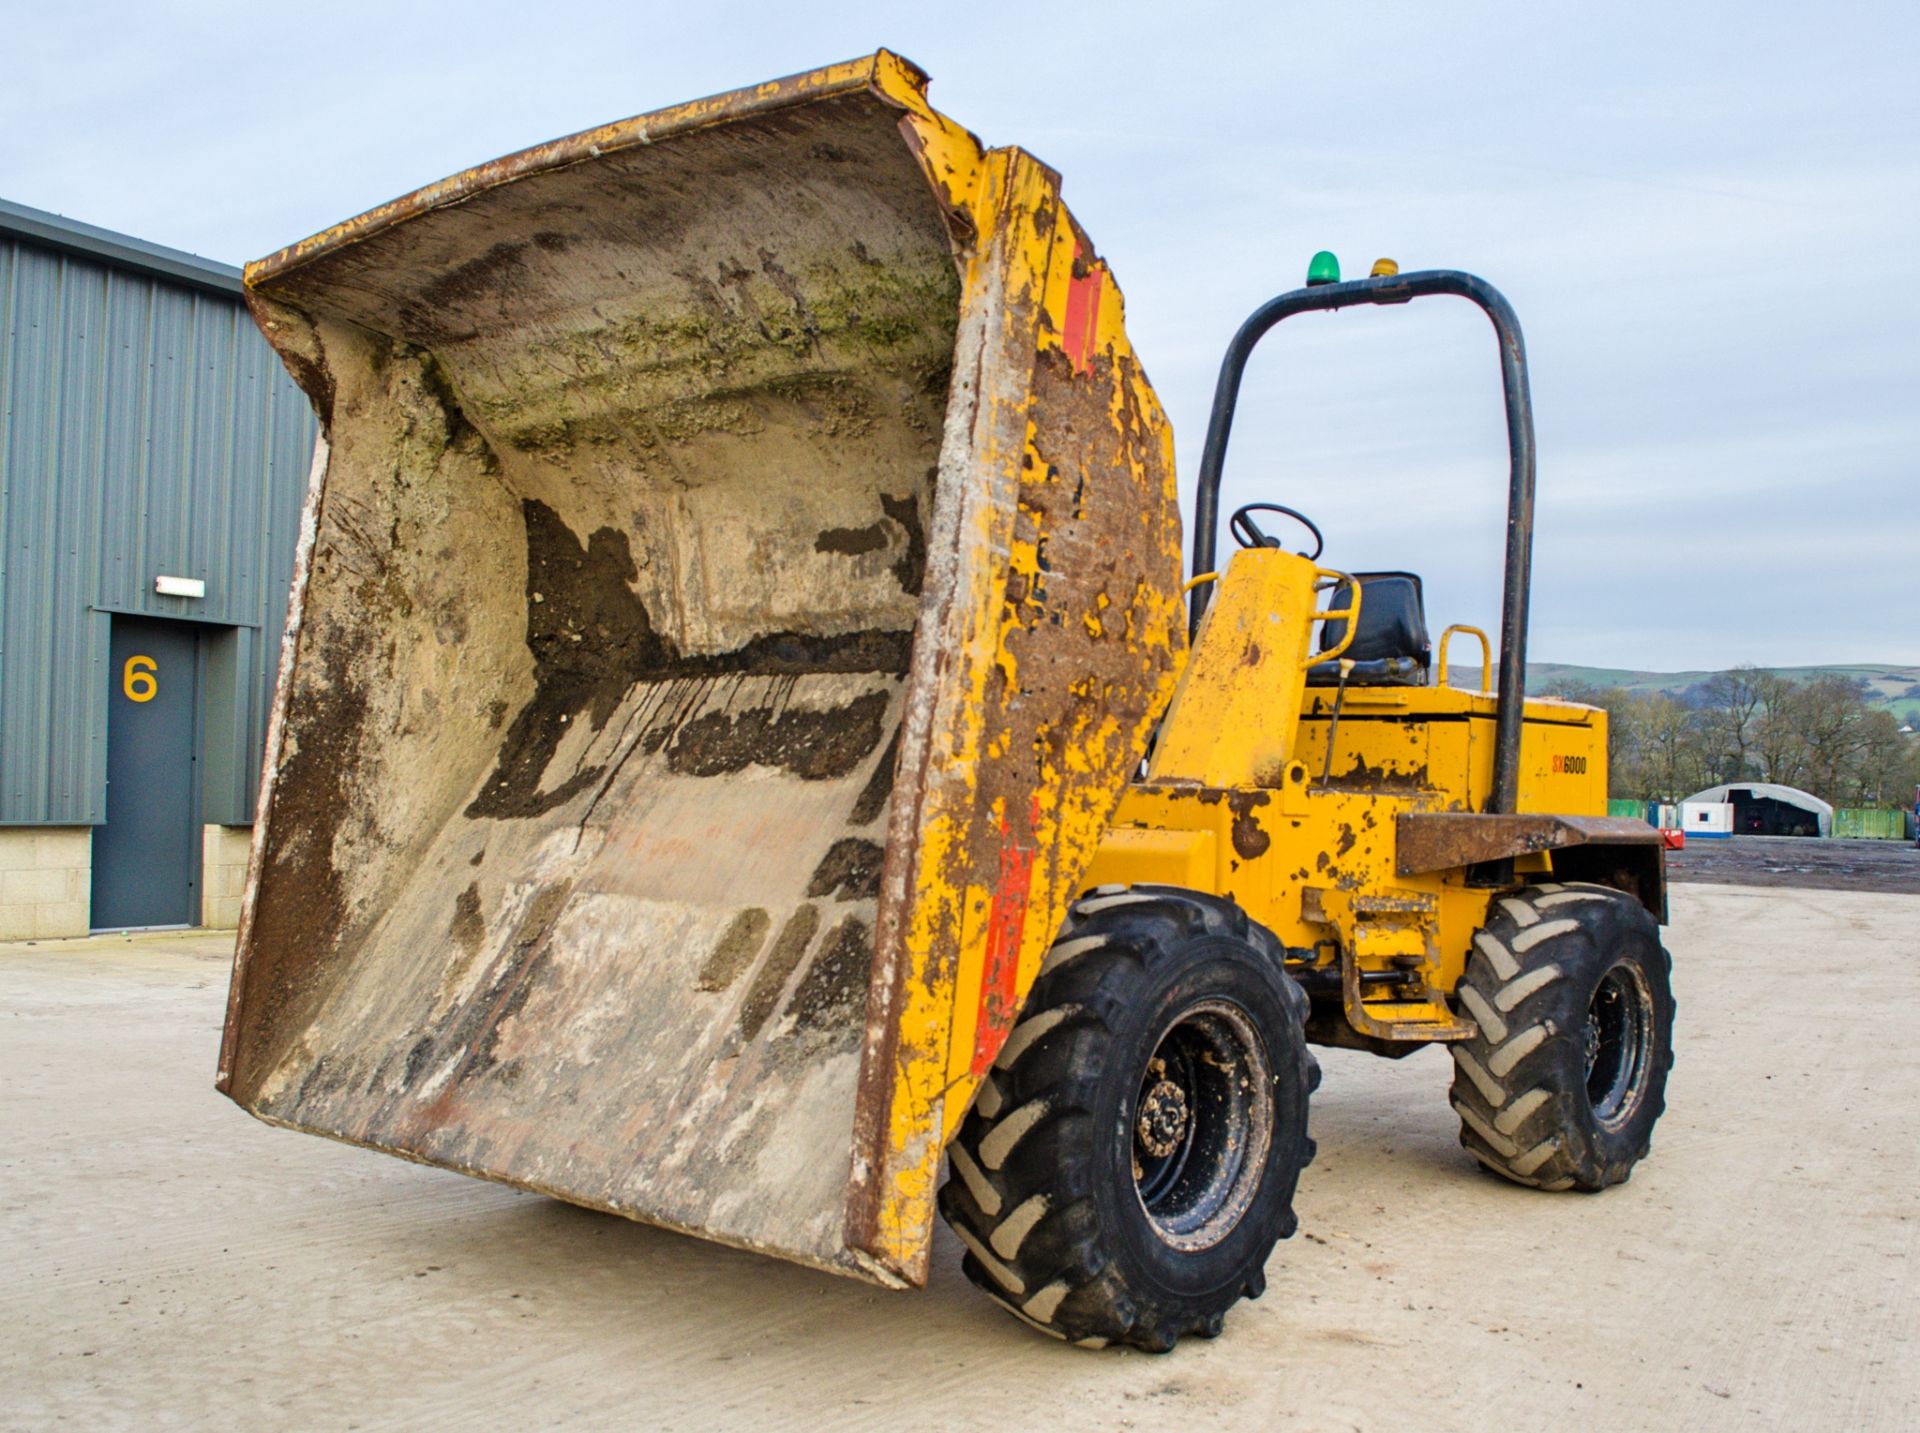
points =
(145, 862)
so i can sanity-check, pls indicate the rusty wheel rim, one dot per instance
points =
(1618, 1044)
(1201, 1123)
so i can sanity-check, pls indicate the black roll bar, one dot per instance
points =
(1395, 289)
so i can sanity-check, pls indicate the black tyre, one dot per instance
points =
(1570, 987)
(1131, 1158)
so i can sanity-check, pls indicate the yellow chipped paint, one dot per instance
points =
(1023, 254)
(1243, 802)
(1219, 730)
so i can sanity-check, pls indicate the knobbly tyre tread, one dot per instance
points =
(1020, 1188)
(1519, 1086)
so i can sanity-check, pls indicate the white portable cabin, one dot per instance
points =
(1706, 818)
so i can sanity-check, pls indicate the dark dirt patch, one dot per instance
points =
(417, 1058)
(815, 745)
(302, 907)
(432, 317)
(592, 640)
(313, 375)
(852, 541)
(313, 380)
(439, 382)
(472, 1030)
(1807, 862)
(771, 978)
(1362, 777)
(910, 570)
(850, 871)
(1250, 838)
(879, 788)
(796, 653)
(735, 949)
(514, 979)
(832, 995)
(467, 927)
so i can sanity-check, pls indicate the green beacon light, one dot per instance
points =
(1325, 269)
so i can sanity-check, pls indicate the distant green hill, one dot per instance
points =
(1897, 688)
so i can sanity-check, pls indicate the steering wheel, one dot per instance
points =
(1247, 532)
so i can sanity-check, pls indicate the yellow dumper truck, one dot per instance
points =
(744, 736)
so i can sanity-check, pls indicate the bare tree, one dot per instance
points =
(1672, 765)
(1831, 718)
(1731, 704)
(1886, 766)
(1776, 732)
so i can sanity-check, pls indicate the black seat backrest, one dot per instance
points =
(1392, 647)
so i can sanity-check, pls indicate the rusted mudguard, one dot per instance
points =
(739, 570)
(1628, 855)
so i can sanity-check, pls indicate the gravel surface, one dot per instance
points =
(1799, 861)
(171, 1263)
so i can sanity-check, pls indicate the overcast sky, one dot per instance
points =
(1707, 216)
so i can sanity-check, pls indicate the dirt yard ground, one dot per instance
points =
(1798, 861)
(171, 1263)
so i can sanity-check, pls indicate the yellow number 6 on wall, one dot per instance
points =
(137, 679)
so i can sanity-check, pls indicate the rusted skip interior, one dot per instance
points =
(588, 747)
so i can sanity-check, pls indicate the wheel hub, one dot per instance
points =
(1163, 1119)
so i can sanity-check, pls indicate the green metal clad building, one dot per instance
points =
(153, 460)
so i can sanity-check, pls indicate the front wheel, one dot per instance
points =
(1562, 1086)
(1130, 1160)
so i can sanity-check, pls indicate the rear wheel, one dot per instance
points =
(1130, 1160)
(1569, 986)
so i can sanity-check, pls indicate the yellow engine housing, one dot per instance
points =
(1242, 797)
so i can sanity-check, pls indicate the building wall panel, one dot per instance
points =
(145, 428)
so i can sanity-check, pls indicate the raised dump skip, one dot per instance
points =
(739, 575)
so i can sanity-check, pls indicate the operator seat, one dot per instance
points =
(1392, 648)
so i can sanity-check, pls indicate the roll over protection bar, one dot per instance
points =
(1395, 289)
